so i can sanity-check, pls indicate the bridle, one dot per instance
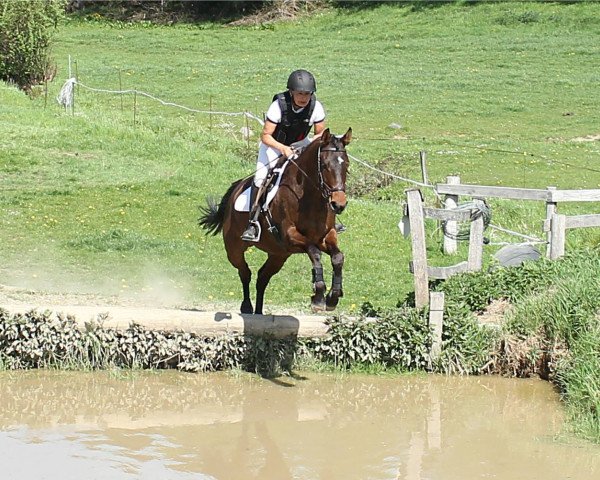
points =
(325, 189)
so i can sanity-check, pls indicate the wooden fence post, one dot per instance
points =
(423, 159)
(550, 210)
(451, 202)
(475, 259)
(419, 253)
(557, 232)
(436, 318)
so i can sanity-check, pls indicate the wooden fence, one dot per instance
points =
(554, 225)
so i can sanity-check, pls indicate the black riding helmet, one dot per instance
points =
(302, 81)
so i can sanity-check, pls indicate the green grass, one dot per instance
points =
(91, 202)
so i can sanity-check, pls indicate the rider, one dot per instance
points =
(288, 121)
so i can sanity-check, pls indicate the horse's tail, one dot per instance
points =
(213, 215)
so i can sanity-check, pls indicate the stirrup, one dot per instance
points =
(252, 232)
(340, 227)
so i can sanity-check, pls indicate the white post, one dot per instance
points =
(451, 202)
(419, 253)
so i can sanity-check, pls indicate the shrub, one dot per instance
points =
(477, 289)
(398, 339)
(466, 345)
(25, 40)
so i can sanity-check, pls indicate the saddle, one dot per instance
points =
(267, 191)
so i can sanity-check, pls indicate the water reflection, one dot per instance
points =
(174, 425)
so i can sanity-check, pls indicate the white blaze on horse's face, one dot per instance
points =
(333, 166)
(334, 178)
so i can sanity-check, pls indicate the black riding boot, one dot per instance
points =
(252, 230)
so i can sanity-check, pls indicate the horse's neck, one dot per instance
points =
(307, 162)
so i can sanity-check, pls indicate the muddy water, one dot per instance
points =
(169, 425)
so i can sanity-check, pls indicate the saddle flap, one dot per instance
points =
(242, 202)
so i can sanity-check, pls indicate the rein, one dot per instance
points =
(325, 189)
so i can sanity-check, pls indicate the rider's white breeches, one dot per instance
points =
(267, 157)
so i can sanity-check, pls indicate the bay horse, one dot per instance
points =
(312, 191)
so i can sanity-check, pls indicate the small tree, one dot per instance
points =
(25, 40)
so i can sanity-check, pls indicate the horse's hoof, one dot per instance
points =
(246, 309)
(332, 302)
(317, 307)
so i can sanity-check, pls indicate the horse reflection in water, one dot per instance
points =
(312, 191)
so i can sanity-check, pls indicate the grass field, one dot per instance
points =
(500, 93)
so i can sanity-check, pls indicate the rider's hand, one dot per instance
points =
(287, 151)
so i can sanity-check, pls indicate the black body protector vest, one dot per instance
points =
(293, 126)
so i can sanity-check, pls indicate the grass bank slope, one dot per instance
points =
(499, 93)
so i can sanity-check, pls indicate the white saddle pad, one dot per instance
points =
(242, 202)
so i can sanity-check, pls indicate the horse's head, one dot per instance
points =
(333, 167)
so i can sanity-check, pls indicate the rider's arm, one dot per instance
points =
(266, 137)
(319, 128)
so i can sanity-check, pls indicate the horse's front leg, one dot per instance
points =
(337, 262)
(318, 299)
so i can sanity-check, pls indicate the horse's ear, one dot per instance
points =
(325, 137)
(347, 137)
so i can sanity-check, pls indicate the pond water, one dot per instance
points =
(171, 425)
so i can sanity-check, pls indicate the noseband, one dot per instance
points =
(325, 189)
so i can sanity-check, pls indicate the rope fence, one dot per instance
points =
(66, 99)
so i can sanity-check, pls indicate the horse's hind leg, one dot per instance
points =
(319, 288)
(238, 260)
(269, 268)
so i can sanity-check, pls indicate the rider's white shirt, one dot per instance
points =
(266, 155)
(274, 113)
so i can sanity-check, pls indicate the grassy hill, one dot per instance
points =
(500, 93)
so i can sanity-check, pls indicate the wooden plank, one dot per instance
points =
(201, 323)
(443, 273)
(499, 192)
(419, 253)
(447, 215)
(436, 319)
(450, 245)
(557, 242)
(582, 221)
(575, 195)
